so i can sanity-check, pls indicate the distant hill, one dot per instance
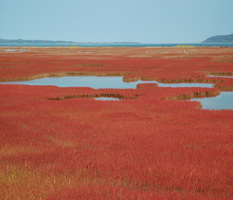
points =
(220, 39)
(20, 41)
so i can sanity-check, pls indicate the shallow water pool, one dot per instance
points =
(96, 82)
(223, 101)
(107, 99)
(220, 102)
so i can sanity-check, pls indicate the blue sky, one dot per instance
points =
(147, 21)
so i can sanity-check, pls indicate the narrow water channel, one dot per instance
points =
(222, 101)
(96, 82)
(107, 99)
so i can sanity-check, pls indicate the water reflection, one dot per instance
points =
(174, 85)
(222, 101)
(9, 50)
(113, 82)
(220, 76)
(106, 99)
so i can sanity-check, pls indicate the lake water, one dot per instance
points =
(96, 82)
(14, 50)
(116, 44)
(220, 76)
(10, 50)
(107, 99)
(222, 101)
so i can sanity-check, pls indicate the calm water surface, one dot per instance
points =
(107, 99)
(10, 49)
(113, 82)
(220, 76)
(118, 44)
(223, 101)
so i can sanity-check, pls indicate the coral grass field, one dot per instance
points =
(60, 143)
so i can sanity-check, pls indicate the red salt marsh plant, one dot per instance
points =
(145, 148)
(36, 63)
(150, 145)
